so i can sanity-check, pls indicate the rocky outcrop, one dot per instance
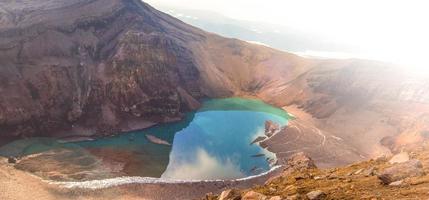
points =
(400, 158)
(316, 195)
(300, 161)
(230, 194)
(271, 128)
(251, 195)
(364, 180)
(401, 171)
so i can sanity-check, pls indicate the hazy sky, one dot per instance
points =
(393, 30)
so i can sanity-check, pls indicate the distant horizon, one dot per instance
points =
(375, 29)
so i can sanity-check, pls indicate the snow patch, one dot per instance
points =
(258, 43)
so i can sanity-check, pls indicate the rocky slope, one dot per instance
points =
(370, 108)
(397, 177)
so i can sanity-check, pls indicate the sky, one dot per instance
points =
(390, 30)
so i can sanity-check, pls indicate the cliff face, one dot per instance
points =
(95, 64)
(109, 66)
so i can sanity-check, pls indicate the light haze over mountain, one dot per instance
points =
(391, 31)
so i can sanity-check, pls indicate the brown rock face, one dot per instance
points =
(300, 161)
(316, 195)
(11, 160)
(400, 158)
(95, 64)
(102, 66)
(251, 195)
(401, 171)
(230, 194)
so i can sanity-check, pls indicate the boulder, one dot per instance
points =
(276, 198)
(316, 195)
(319, 177)
(347, 180)
(396, 183)
(369, 172)
(231, 194)
(210, 196)
(294, 197)
(290, 189)
(12, 160)
(271, 128)
(252, 195)
(358, 172)
(382, 158)
(333, 176)
(401, 171)
(400, 158)
(300, 161)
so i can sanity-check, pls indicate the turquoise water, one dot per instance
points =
(211, 143)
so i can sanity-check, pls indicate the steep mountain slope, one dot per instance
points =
(109, 66)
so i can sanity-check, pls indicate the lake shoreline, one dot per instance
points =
(154, 191)
(183, 188)
(164, 189)
(142, 125)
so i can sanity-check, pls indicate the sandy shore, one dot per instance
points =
(16, 184)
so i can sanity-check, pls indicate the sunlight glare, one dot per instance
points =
(389, 30)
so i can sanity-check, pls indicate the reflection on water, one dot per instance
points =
(212, 143)
(202, 166)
